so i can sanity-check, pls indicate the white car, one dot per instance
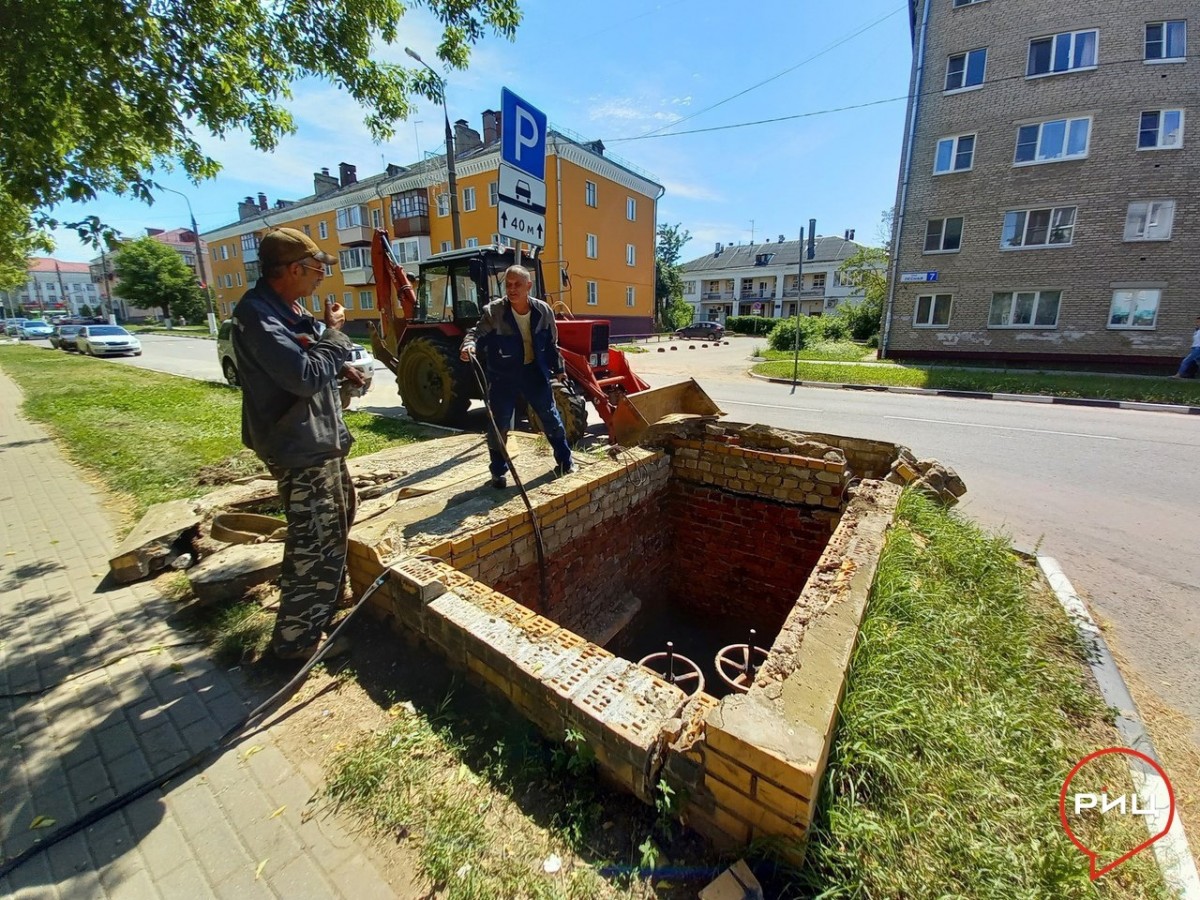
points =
(107, 340)
(35, 329)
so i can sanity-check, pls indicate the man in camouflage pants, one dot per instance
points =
(288, 366)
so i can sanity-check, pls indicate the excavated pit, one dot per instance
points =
(717, 530)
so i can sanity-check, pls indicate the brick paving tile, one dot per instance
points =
(68, 749)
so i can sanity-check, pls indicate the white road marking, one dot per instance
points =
(768, 405)
(1099, 437)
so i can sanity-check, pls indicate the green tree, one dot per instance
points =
(867, 271)
(152, 274)
(669, 305)
(106, 95)
(85, 311)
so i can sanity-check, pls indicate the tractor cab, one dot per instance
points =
(455, 286)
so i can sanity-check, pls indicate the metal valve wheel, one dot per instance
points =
(737, 665)
(665, 665)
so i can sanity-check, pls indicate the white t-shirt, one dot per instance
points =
(1196, 339)
(526, 334)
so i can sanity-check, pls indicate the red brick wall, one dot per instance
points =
(730, 551)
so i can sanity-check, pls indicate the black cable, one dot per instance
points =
(481, 380)
(223, 742)
(96, 668)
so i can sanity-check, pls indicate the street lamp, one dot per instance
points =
(449, 149)
(212, 319)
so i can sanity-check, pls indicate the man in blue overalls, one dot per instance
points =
(518, 340)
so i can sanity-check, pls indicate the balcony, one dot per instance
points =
(249, 251)
(352, 227)
(717, 295)
(410, 226)
(358, 275)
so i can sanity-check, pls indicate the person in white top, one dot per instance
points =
(1191, 362)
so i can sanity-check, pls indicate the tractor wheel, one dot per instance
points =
(433, 382)
(572, 409)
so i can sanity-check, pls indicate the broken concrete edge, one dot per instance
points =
(994, 395)
(148, 548)
(1172, 851)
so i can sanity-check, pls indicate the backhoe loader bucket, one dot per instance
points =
(638, 414)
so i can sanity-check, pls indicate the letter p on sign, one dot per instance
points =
(522, 135)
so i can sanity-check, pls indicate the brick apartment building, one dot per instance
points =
(1049, 199)
(600, 220)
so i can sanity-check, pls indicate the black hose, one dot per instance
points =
(223, 742)
(481, 380)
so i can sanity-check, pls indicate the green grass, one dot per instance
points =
(196, 331)
(1103, 387)
(145, 434)
(835, 351)
(967, 705)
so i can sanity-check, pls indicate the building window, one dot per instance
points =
(1066, 52)
(593, 296)
(348, 300)
(932, 311)
(469, 199)
(589, 193)
(1161, 129)
(943, 235)
(330, 299)
(347, 217)
(630, 255)
(224, 252)
(1150, 220)
(376, 218)
(965, 70)
(233, 250)
(308, 230)
(253, 272)
(629, 296)
(966, 2)
(1054, 141)
(443, 204)
(1134, 308)
(323, 229)
(1050, 227)
(238, 275)
(493, 194)
(249, 241)
(354, 258)
(366, 300)
(1025, 309)
(410, 206)
(631, 209)
(591, 246)
(328, 269)
(472, 242)
(1166, 41)
(445, 246)
(954, 154)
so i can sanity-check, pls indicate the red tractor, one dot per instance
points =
(422, 328)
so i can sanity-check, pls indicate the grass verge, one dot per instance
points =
(146, 435)
(967, 706)
(824, 351)
(1100, 387)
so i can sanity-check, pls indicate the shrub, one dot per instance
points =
(813, 330)
(749, 324)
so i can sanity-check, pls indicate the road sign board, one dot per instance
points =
(906, 277)
(520, 224)
(522, 135)
(520, 188)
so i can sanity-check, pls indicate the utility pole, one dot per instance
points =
(62, 287)
(204, 286)
(811, 250)
(105, 293)
(450, 175)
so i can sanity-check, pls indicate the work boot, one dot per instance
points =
(569, 469)
(499, 482)
(338, 647)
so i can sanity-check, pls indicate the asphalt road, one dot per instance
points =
(1110, 493)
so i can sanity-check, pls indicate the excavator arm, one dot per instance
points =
(394, 298)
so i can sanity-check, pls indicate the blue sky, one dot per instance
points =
(618, 71)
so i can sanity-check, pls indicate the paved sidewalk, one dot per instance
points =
(77, 745)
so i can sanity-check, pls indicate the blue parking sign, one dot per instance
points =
(522, 135)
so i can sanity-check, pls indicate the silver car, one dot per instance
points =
(35, 330)
(361, 359)
(106, 340)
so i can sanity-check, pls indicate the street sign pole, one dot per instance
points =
(811, 250)
(521, 185)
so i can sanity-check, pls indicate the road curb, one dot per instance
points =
(1171, 851)
(991, 395)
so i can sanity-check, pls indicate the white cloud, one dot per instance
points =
(689, 191)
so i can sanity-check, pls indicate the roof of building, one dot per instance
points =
(48, 263)
(785, 253)
(176, 236)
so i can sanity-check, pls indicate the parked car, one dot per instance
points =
(709, 331)
(106, 340)
(65, 337)
(35, 330)
(361, 359)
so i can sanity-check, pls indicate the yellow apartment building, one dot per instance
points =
(598, 258)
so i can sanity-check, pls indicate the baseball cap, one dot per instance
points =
(284, 246)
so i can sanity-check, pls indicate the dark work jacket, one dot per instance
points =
(288, 367)
(499, 344)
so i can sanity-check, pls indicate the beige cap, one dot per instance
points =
(284, 246)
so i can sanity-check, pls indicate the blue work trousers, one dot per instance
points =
(502, 401)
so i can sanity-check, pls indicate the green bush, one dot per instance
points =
(749, 324)
(813, 330)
